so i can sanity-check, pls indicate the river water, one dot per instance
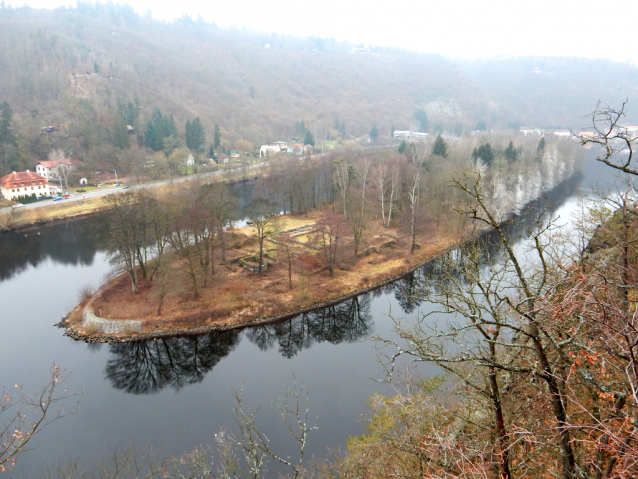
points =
(175, 394)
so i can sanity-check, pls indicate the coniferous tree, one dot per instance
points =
(540, 150)
(403, 146)
(422, 119)
(374, 133)
(188, 134)
(440, 147)
(309, 140)
(485, 153)
(120, 133)
(511, 153)
(217, 138)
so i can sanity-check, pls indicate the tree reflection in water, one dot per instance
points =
(345, 322)
(146, 367)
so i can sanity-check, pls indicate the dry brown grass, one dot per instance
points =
(92, 329)
(234, 295)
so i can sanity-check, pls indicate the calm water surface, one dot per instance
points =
(176, 394)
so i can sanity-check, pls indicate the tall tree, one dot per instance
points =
(265, 224)
(217, 137)
(421, 118)
(485, 153)
(374, 133)
(511, 153)
(309, 140)
(440, 147)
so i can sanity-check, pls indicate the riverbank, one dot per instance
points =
(238, 298)
(20, 219)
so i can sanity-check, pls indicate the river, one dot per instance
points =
(175, 394)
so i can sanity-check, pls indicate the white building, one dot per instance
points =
(51, 169)
(24, 184)
(409, 135)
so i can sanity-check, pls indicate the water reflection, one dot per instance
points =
(452, 266)
(147, 367)
(345, 322)
(70, 243)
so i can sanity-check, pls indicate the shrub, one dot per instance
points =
(85, 292)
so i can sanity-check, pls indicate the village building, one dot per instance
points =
(410, 135)
(24, 184)
(562, 133)
(51, 169)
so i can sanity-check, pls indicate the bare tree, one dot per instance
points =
(22, 417)
(341, 180)
(616, 140)
(386, 180)
(266, 225)
(327, 235)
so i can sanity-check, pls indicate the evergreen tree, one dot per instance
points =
(403, 146)
(6, 115)
(480, 126)
(151, 136)
(392, 131)
(188, 135)
(309, 140)
(422, 119)
(198, 136)
(120, 133)
(540, 150)
(440, 147)
(511, 153)
(374, 133)
(217, 138)
(485, 153)
(211, 152)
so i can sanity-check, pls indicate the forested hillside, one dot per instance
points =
(90, 71)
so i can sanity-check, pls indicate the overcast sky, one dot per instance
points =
(468, 28)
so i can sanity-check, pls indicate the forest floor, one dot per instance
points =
(234, 296)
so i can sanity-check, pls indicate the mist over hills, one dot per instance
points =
(78, 69)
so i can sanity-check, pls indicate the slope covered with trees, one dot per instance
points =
(90, 72)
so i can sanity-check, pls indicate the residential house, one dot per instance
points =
(24, 184)
(190, 161)
(51, 169)
(234, 155)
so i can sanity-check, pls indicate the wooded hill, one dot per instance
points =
(90, 71)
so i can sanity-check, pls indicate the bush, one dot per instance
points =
(85, 292)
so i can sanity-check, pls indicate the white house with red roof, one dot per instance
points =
(24, 183)
(51, 168)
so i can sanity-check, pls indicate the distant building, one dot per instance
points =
(410, 135)
(190, 161)
(562, 133)
(51, 169)
(24, 184)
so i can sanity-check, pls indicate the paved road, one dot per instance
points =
(112, 190)
(119, 189)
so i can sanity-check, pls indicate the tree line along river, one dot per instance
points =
(176, 393)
